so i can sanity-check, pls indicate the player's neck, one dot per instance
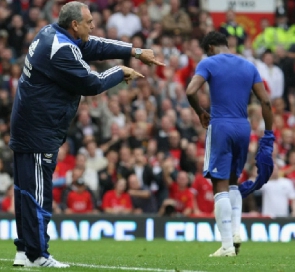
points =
(222, 50)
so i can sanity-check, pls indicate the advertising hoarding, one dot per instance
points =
(128, 228)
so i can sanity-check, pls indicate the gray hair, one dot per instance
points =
(70, 12)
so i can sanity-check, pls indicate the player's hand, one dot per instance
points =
(147, 57)
(205, 119)
(130, 74)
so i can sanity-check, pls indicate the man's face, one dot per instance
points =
(121, 185)
(137, 155)
(182, 179)
(85, 27)
(268, 59)
(282, 20)
(126, 7)
(230, 16)
(133, 183)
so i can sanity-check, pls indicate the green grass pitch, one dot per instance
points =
(159, 255)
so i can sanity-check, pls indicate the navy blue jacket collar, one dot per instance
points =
(63, 31)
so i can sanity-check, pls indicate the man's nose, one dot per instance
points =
(92, 25)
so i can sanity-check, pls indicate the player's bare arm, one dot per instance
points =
(192, 96)
(261, 94)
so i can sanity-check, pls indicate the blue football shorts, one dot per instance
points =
(227, 143)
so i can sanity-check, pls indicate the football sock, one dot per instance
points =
(223, 212)
(236, 205)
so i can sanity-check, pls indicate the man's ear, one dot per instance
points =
(75, 25)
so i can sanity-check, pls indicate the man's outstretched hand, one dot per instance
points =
(130, 74)
(147, 57)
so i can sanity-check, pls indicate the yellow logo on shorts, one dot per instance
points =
(48, 155)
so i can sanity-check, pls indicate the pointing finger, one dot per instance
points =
(154, 61)
(138, 74)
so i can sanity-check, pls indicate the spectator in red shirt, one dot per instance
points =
(194, 55)
(137, 3)
(285, 142)
(174, 147)
(180, 197)
(69, 159)
(7, 204)
(59, 175)
(278, 129)
(79, 199)
(203, 191)
(117, 201)
(180, 192)
(201, 142)
(62, 164)
(289, 170)
(279, 106)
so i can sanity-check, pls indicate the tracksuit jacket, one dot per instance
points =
(54, 77)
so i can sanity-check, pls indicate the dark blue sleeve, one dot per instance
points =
(102, 49)
(72, 73)
(202, 69)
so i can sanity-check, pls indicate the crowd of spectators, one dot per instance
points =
(139, 148)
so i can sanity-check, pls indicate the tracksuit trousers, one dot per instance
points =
(33, 201)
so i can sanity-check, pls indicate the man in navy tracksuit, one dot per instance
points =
(54, 77)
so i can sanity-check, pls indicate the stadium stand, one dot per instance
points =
(145, 133)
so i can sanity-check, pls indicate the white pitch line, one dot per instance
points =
(132, 268)
(120, 267)
(18, 267)
(25, 269)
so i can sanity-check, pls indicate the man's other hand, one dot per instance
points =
(130, 74)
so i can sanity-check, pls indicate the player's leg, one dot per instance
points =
(31, 186)
(37, 206)
(223, 210)
(27, 186)
(241, 144)
(217, 166)
(236, 204)
(20, 256)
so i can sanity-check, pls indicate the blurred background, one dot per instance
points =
(139, 148)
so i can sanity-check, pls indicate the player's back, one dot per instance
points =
(230, 79)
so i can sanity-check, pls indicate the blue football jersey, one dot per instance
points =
(230, 78)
